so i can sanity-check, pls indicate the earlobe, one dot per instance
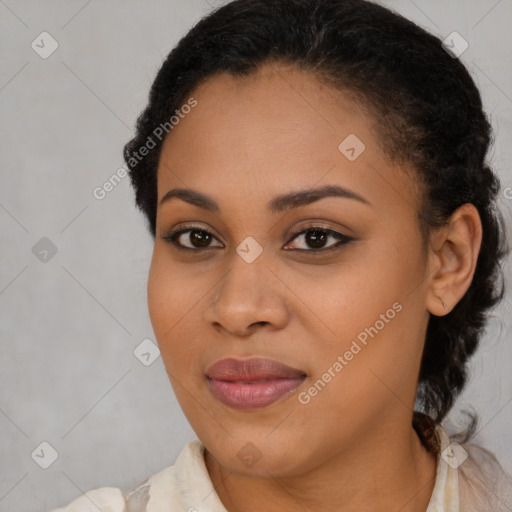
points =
(453, 254)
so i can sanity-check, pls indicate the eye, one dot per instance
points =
(317, 236)
(198, 239)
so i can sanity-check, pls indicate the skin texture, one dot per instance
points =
(352, 447)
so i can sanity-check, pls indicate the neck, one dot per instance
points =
(387, 469)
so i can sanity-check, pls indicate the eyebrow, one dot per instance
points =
(278, 204)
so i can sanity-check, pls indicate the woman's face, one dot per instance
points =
(350, 318)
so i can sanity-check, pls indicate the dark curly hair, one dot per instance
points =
(428, 112)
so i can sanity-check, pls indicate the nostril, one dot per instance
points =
(260, 323)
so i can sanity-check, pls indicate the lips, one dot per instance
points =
(252, 383)
(249, 370)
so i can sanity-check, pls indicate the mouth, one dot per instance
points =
(252, 383)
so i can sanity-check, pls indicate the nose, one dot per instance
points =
(249, 297)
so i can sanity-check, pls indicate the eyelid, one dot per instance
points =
(312, 225)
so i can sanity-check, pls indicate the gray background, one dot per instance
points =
(68, 326)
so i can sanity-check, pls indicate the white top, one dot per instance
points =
(468, 479)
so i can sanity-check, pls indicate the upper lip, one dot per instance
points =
(259, 368)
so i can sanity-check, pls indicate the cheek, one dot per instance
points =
(170, 305)
(171, 298)
(375, 325)
(160, 297)
(170, 292)
(177, 300)
(370, 371)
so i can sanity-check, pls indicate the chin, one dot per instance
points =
(258, 455)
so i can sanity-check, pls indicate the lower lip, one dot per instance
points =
(240, 395)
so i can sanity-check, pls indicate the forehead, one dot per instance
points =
(277, 105)
(277, 129)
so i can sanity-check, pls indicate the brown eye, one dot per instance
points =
(315, 238)
(196, 238)
(201, 238)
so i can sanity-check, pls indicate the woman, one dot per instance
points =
(327, 248)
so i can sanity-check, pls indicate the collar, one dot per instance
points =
(445, 496)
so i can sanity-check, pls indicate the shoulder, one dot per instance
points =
(483, 482)
(469, 478)
(160, 491)
(106, 499)
(113, 499)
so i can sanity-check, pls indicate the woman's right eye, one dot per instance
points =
(198, 236)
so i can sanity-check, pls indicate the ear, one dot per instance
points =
(453, 253)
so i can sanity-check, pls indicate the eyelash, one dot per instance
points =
(172, 237)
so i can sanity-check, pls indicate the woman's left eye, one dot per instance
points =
(317, 236)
